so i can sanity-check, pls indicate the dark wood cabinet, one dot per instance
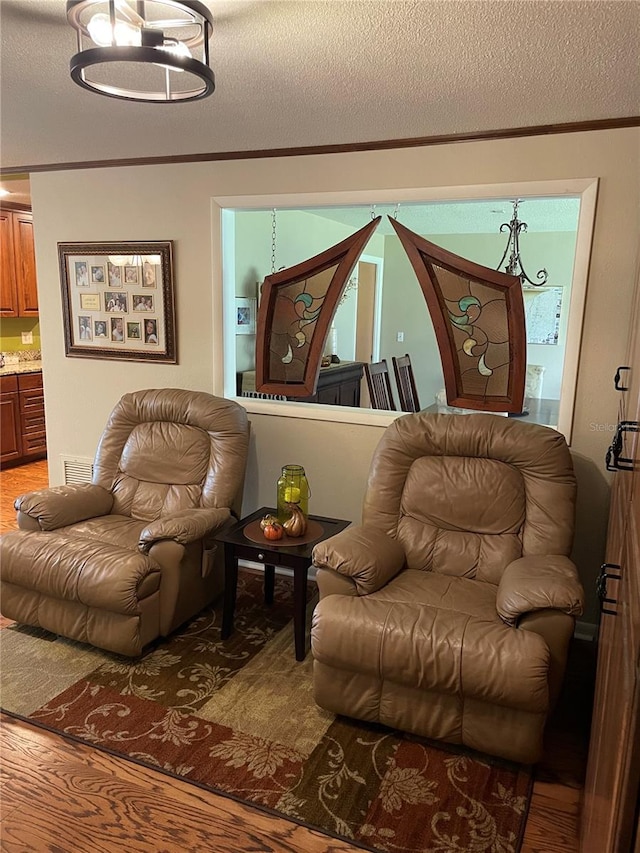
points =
(18, 284)
(22, 428)
(338, 385)
(611, 803)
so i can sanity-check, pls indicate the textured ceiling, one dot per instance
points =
(294, 74)
(464, 217)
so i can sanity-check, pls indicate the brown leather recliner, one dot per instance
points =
(448, 612)
(129, 557)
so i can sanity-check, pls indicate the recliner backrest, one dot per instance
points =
(467, 494)
(170, 449)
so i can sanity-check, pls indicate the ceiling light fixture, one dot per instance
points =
(142, 50)
(514, 265)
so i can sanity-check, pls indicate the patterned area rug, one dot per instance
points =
(238, 717)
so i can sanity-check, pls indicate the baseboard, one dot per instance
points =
(586, 631)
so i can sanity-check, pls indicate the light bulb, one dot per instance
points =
(99, 28)
(176, 48)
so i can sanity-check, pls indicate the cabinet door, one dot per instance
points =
(609, 818)
(8, 293)
(10, 444)
(34, 440)
(25, 265)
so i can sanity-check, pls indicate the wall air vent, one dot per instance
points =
(76, 470)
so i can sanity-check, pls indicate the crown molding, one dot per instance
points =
(342, 148)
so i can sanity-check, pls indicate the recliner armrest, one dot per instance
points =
(539, 583)
(365, 554)
(60, 506)
(187, 525)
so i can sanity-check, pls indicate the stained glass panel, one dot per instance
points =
(295, 314)
(478, 317)
(295, 322)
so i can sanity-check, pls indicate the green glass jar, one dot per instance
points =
(293, 488)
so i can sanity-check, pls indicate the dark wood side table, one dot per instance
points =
(297, 557)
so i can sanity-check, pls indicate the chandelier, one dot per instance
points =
(514, 265)
(142, 50)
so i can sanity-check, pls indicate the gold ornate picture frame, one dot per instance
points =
(118, 300)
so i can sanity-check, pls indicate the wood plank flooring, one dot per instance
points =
(62, 797)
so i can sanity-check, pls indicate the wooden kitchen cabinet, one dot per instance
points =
(22, 428)
(18, 284)
(8, 283)
(32, 426)
(25, 260)
(10, 433)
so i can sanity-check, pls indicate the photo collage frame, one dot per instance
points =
(118, 300)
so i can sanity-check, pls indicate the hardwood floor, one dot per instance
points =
(62, 797)
(15, 481)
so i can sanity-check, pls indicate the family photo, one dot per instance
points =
(82, 274)
(116, 303)
(142, 303)
(97, 274)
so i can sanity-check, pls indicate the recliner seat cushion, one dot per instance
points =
(114, 529)
(462, 595)
(71, 568)
(435, 636)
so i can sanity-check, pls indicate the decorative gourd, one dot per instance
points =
(267, 519)
(297, 524)
(273, 531)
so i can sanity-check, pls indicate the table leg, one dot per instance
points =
(300, 611)
(269, 582)
(230, 589)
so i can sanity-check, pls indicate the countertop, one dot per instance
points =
(21, 367)
(541, 411)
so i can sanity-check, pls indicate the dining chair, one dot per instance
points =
(407, 392)
(379, 384)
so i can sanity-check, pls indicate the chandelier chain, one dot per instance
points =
(273, 240)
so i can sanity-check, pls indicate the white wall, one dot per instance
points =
(174, 203)
(404, 310)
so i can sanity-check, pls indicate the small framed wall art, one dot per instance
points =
(118, 300)
(245, 315)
